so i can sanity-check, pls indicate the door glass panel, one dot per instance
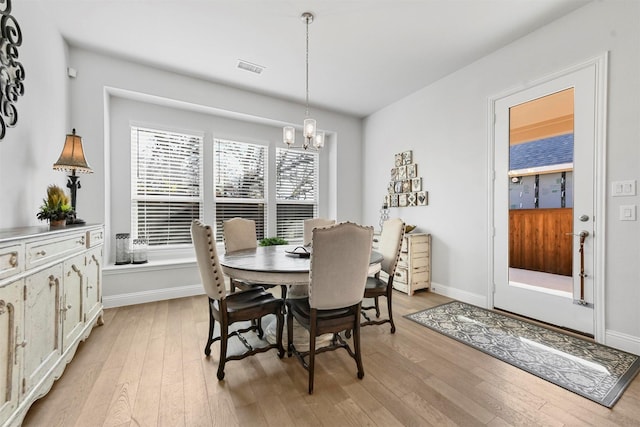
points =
(541, 193)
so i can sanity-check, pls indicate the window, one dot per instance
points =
(166, 185)
(296, 191)
(240, 184)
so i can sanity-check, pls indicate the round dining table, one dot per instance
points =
(281, 265)
(276, 265)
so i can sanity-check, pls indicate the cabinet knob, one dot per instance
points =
(13, 261)
(42, 252)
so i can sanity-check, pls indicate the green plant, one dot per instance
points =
(272, 241)
(56, 206)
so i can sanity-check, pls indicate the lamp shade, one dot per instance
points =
(72, 156)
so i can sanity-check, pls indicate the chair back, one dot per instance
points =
(390, 244)
(310, 224)
(210, 271)
(339, 265)
(239, 234)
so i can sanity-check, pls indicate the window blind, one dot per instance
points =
(296, 191)
(166, 185)
(240, 184)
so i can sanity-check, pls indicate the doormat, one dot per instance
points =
(592, 370)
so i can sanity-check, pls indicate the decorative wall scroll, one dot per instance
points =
(405, 187)
(11, 71)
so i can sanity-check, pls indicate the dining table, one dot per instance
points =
(279, 265)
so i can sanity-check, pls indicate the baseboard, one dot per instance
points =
(624, 342)
(151, 296)
(457, 294)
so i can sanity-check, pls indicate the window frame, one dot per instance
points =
(135, 197)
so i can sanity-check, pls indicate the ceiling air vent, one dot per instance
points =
(254, 68)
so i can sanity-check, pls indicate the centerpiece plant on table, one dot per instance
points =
(272, 241)
(56, 208)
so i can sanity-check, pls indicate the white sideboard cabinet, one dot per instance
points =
(414, 266)
(50, 299)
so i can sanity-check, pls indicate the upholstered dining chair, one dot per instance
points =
(240, 233)
(226, 309)
(309, 224)
(376, 287)
(337, 276)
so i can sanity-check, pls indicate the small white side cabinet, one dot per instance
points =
(414, 266)
(50, 299)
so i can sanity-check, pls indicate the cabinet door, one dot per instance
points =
(93, 286)
(10, 344)
(71, 305)
(41, 325)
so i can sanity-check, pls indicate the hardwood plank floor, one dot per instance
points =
(146, 367)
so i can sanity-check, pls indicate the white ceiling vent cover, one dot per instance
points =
(254, 68)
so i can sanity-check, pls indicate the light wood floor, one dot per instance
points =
(146, 367)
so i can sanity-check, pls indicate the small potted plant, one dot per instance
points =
(272, 241)
(56, 208)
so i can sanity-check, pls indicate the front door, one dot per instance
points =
(576, 180)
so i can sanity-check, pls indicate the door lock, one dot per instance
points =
(583, 234)
(583, 218)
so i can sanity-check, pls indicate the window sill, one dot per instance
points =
(150, 265)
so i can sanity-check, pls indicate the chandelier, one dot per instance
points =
(312, 137)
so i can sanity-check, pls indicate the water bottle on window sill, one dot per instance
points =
(139, 251)
(123, 252)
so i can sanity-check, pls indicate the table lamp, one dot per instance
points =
(72, 159)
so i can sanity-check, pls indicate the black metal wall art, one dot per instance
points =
(11, 70)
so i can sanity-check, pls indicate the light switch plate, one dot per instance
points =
(627, 212)
(623, 188)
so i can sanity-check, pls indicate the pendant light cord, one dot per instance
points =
(307, 71)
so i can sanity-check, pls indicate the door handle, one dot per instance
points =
(583, 234)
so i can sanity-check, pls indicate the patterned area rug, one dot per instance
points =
(592, 370)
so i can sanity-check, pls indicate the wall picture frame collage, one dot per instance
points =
(405, 185)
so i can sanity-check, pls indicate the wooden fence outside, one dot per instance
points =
(541, 240)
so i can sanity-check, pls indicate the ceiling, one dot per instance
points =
(364, 54)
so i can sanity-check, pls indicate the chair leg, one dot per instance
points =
(279, 328)
(232, 285)
(356, 348)
(283, 292)
(224, 337)
(289, 332)
(312, 348)
(212, 326)
(377, 303)
(393, 325)
(258, 324)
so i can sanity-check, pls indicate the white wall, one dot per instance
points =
(28, 151)
(446, 126)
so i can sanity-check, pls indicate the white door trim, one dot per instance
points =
(601, 66)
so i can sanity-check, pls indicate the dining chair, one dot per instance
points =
(248, 305)
(239, 234)
(309, 224)
(337, 276)
(376, 287)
